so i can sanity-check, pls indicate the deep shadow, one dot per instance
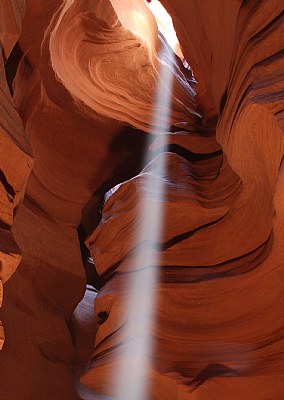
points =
(11, 66)
(212, 371)
(92, 276)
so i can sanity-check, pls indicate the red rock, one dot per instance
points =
(12, 13)
(79, 120)
(16, 158)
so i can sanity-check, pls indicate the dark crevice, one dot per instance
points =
(226, 269)
(92, 276)
(9, 189)
(187, 154)
(223, 101)
(12, 65)
(5, 226)
(102, 316)
(212, 371)
(186, 235)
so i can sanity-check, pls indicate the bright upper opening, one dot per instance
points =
(165, 25)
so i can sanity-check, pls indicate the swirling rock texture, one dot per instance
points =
(84, 75)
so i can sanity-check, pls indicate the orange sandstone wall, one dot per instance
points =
(77, 124)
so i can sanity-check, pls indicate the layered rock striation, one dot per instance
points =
(219, 244)
(78, 109)
(16, 155)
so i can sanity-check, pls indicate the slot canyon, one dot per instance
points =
(141, 200)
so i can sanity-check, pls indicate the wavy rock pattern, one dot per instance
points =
(220, 258)
(100, 42)
(84, 76)
(16, 158)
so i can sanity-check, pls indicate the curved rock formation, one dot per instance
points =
(204, 262)
(16, 155)
(83, 77)
(107, 34)
(212, 271)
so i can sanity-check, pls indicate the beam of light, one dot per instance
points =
(165, 26)
(164, 21)
(133, 377)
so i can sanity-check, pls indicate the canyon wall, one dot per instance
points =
(78, 99)
(16, 154)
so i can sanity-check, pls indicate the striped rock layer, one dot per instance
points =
(78, 98)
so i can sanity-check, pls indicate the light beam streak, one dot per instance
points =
(133, 378)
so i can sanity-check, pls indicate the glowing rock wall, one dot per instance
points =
(83, 82)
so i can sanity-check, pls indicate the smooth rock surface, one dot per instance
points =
(78, 109)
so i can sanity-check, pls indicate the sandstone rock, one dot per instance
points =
(84, 99)
(12, 13)
(16, 158)
(207, 291)
(110, 34)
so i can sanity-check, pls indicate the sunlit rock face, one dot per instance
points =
(104, 35)
(83, 77)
